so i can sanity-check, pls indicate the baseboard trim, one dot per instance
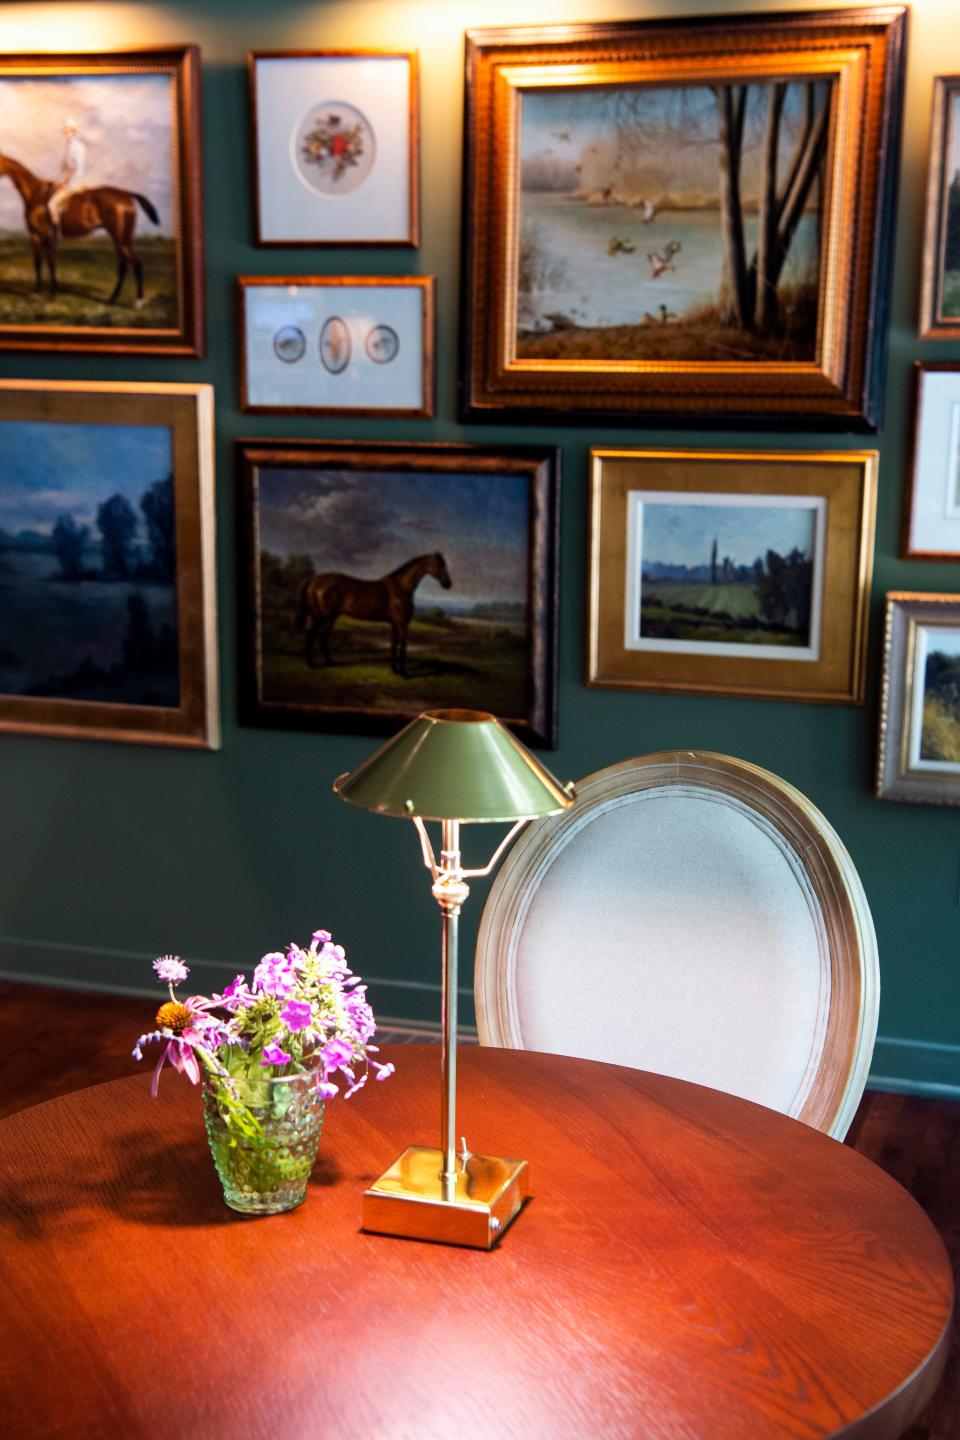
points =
(79, 967)
(915, 1067)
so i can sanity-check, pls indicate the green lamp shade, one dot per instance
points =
(454, 765)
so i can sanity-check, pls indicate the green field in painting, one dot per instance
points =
(87, 272)
(951, 294)
(688, 610)
(452, 662)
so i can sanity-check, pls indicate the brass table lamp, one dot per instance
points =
(458, 767)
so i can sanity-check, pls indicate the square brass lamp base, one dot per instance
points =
(409, 1198)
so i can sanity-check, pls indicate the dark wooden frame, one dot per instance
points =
(838, 677)
(412, 239)
(540, 465)
(932, 325)
(921, 368)
(843, 388)
(425, 283)
(182, 62)
(188, 410)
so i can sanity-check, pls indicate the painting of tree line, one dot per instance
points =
(678, 222)
(732, 575)
(88, 605)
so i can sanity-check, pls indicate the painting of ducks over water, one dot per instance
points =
(100, 202)
(386, 580)
(106, 586)
(677, 223)
(674, 220)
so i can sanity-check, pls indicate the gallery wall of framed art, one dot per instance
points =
(586, 223)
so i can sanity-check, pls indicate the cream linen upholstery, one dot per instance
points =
(695, 916)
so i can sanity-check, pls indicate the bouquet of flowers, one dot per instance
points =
(304, 1018)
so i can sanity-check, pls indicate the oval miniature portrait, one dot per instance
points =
(335, 345)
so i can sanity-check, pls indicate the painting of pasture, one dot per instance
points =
(88, 606)
(716, 577)
(678, 222)
(88, 203)
(393, 591)
(940, 714)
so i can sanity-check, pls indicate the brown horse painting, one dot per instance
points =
(104, 208)
(324, 598)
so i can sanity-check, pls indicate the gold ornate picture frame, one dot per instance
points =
(731, 572)
(918, 756)
(107, 566)
(667, 220)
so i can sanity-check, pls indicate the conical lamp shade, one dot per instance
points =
(454, 765)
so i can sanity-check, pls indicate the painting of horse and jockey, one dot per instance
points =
(94, 217)
(379, 593)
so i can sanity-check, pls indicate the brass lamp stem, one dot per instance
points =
(449, 891)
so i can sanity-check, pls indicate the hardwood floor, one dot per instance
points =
(55, 1041)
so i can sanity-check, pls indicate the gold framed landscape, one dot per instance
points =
(107, 570)
(681, 220)
(731, 572)
(918, 755)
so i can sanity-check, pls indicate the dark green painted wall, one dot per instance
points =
(110, 853)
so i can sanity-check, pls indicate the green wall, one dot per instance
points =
(110, 854)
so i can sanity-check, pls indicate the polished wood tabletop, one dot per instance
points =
(689, 1267)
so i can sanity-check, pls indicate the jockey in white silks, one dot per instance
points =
(71, 171)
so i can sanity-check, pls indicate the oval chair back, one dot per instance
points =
(696, 916)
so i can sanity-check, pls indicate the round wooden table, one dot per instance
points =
(689, 1267)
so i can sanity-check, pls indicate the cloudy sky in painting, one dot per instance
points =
(368, 523)
(684, 534)
(49, 469)
(125, 122)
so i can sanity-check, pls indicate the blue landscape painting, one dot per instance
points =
(88, 603)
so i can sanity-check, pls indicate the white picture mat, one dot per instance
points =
(935, 513)
(363, 384)
(922, 649)
(377, 86)
(633, 640)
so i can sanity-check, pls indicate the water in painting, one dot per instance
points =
(88, 606)
(671, 223)
(344, 551)
(723, 575)
(94, 153)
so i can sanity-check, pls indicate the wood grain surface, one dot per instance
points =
(690, 1267)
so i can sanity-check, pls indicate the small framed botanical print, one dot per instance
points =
(335, 147)
(919, 751)
(107, 584)
(940, 295)
(931, 522)
(336, 345)
(731, 573)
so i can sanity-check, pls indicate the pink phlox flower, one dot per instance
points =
(275, 975)
(296, 1015)
(235, 996)
(274, 1055)
(326, 1090)
(320, 937)
(383, 1071)
(337, 1054)
(296, 956)
(357, 1085)
(170, 969)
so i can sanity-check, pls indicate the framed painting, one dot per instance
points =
(682, 220)
(931, 519)
(336, 147)
(384, 579)
(107, 583)
(919, 751)
(336, 345)
(940, 292)
(101, 215)
(731, 573)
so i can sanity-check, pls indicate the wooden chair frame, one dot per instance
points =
(828, 1094)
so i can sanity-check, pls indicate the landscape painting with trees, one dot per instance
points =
(950, 297)
(672, 222)
(939, 738)
(725, 573)
(88, 599)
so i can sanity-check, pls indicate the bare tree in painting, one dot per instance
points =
(748, 293)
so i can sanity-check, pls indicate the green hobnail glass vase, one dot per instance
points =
(264, 1136)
